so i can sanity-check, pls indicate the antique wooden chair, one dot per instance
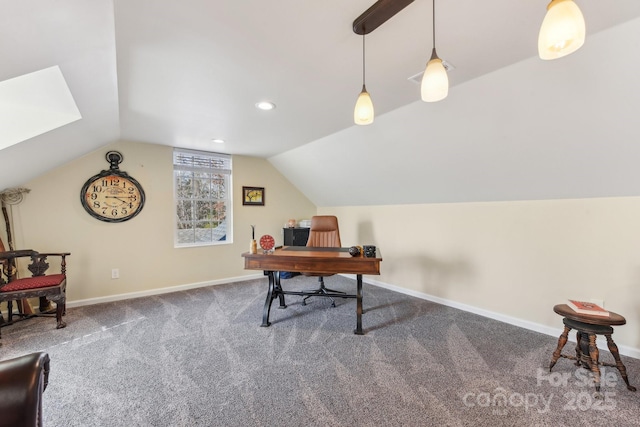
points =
(52, 286)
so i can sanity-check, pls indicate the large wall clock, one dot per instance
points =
(112, 195)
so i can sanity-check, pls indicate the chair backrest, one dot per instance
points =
(324, 232)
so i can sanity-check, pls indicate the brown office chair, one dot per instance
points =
(22, 382)
(324, 233)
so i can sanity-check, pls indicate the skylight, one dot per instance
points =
(33, 104)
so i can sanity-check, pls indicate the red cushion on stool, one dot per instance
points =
(33, 283)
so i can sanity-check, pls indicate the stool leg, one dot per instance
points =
(561, 343)
(613, 348)
(594, 354)
(578, 349)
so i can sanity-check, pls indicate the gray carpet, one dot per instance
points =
(200, 358)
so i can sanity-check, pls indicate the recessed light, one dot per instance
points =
(417, 78)
(265, 105)
(218, 141)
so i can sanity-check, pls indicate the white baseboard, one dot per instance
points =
(120, 297)
(532, 326)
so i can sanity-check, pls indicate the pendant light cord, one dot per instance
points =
(433, 16)
(363, 63)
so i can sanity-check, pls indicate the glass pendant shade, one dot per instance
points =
(562, 31)
(435, 82)
(363, 113)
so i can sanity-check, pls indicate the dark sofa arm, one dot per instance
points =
(22, 382)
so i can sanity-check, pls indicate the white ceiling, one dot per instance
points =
(181, 73)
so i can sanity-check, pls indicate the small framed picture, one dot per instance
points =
(253, 196)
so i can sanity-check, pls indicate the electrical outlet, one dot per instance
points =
(115, 273)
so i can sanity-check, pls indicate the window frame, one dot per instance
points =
(226, 172)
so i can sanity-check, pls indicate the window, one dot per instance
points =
(202, 194)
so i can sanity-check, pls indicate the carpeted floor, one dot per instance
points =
(200, 358)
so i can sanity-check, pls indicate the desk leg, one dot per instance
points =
(269, 300)
(278, 289)
(358, 330)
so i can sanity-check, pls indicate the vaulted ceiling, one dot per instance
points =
(182, 73)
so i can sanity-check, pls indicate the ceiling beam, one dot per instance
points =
(378, 14)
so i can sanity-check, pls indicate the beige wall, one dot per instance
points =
(51, 218)
(510, 260)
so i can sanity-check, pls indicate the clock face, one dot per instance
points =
(267, 242)
(112, 197)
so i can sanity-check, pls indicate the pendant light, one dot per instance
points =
(435, 82)
(562, 31)
(363, 113)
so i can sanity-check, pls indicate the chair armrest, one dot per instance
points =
(16, 254)
(38, 265)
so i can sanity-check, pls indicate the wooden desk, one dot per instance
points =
(311, 260)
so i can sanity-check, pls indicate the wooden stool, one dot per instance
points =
(587, 327)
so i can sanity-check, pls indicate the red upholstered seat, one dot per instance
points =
(33, 283)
